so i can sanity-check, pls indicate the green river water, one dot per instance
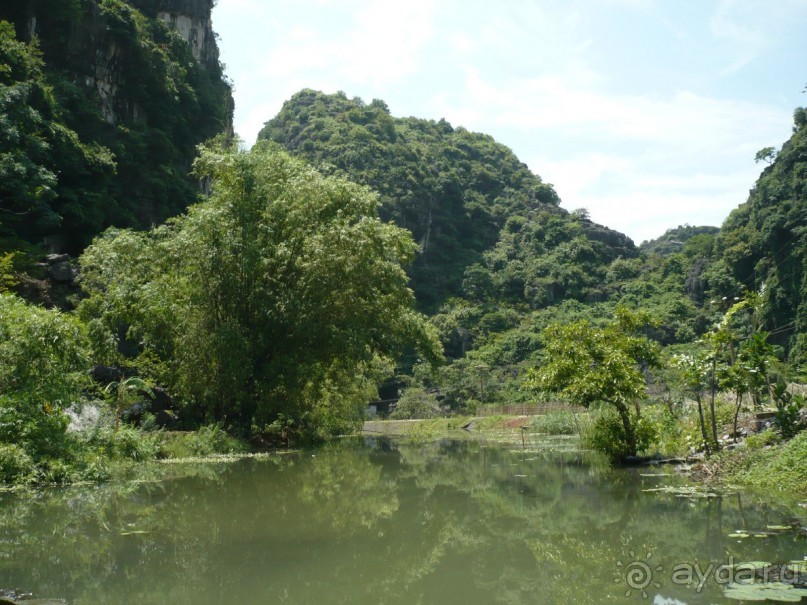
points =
(361, 522)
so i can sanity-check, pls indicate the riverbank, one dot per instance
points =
(105, 454)
(760, 462)
(777, 468)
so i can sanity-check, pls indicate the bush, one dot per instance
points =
(417, 403)
(42, 363)
(782, 469)
(208, 440)
(788, 418)
(760, 440)
(16, 466)
(607, 435)
(125, 443)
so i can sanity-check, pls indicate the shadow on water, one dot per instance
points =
(380, 521)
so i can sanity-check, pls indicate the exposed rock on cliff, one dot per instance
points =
(140, 83)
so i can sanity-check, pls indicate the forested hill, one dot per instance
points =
(763, 243)
(500, 259)
(486, 225)
(102, 105)
(676, 238)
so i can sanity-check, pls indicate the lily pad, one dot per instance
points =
(773, 591)
(683, 492)
(799, 566)
(752, 565)
(739, 534)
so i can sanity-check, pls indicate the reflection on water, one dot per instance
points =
(452, 522)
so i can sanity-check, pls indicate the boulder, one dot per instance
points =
(63, 272)
(105, 374)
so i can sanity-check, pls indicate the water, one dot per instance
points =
(455, 522)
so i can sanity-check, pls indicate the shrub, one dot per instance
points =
(760, 440)
(125, 443)
(606, 434)
(208, 440)
(417, 403)
(42, 359)
(16, 466)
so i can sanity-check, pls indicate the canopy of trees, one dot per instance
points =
(275, 303)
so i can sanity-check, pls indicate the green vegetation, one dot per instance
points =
(82, 151)
(276, 307)
(451, 188)
(280, 299)
(761, 247)
(585, 364)
(766, 465)
(42, 355)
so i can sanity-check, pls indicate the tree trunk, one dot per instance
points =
(630, 433)
(712, 404)
(737, 413)
(703, 424)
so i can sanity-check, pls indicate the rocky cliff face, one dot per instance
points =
(87, 44)
(139, 80)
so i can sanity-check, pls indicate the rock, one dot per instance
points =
(693, 283)
(106, 374)
(52, 259)
(161, 400)
(675, 461)
(135, 413)
(85, 417)
(159, 403)
(62, 272)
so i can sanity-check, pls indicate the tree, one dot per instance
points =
(282, 294)
(767, 154)
(42, 160)
(585, 363)
(695, 375)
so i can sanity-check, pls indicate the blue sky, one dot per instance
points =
(646, 112)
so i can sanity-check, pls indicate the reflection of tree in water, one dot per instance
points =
(434, 523)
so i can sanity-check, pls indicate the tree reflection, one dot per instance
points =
(397, 524)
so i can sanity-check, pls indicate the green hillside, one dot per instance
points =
(763, 243)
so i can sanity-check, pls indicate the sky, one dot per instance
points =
(648, 113)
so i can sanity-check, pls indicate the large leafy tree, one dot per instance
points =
(275, 300)
(585, 363)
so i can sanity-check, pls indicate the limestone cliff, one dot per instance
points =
(140, 79)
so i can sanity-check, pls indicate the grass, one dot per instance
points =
(501, 426)
(106, 453)
(763, 464)
(558, 422)
(207, 441)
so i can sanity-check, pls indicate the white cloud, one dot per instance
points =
(539, 78)
(383, 46)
